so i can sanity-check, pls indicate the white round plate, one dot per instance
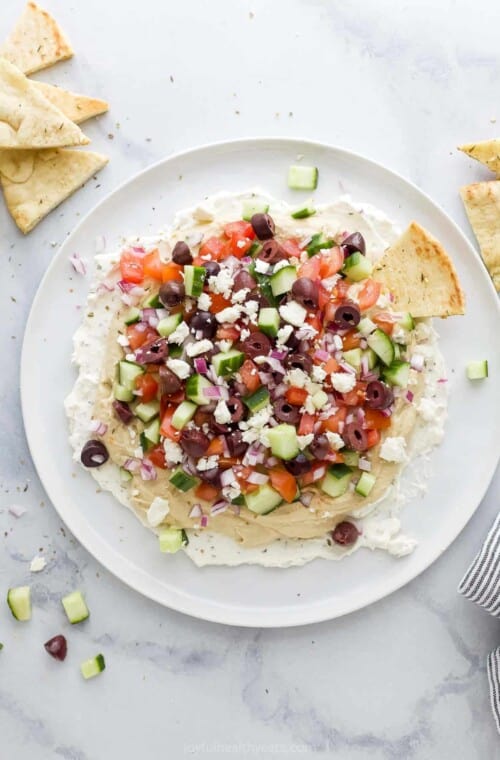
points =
(253, 596)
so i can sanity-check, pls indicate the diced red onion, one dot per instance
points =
(150, 316)
(216, 391)
(370, 376)
(337, 342)
(218, 508)
(318, 474)
(279, 355)
(341, 427)
(132, 464)
(360, 415)
(266, 378)
(16, 510)
(271, 462)
(204, 521)
(227, 477)
(364, 365)
(195, 511)
(364, 464)
(321, 356)
(317, 426)
(77, 263)
(347, 367)
(124, 286)
(225, 447)
(246, 260)
(96, 426)
(147, 470)
(443, 380)
(409, 396)
(305, 241)
(363, 343)
(201, 366)
(306, 498)
(138, 249)
(258, 478)
(417, 362)
(386, 412)
(106, 287)
(280, 390)
(235, 508)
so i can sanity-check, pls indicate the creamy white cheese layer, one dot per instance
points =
(379, 523)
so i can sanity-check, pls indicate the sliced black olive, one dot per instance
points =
(347, 315)
(182, 254)
(212, 268)
(194, 442)
(298, 466)
(244, 280)
(355, 437)
(354, 242)
(122, 411)
(236, 408)
(257, 344)
(345, 533)
(319, 446)
(299, 361)
(171, 293)
(378, 395)
(203, 322)
(153, 353)
(286, 412)
(169, 382)
(211, 476)
(94, 454)
(235, 443)
(305, 291)
(263, 226)
(271, 252)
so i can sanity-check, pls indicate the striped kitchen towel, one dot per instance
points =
(481, 584)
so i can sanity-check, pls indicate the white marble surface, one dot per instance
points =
(403, 83)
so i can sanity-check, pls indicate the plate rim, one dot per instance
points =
(319, 611)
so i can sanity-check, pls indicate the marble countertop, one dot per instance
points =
(402, 83)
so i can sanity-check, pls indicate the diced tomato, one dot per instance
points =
(310, 268)
(239, 229)
(368, 295)
(385, 320)
(215, 248)
(340, 290)
(331, 262)
(331, 365)
(356, 396)
(311, 476)
(153, 265)
(137, 336)
(215, 446)
(292, 248)
(250, 375)
(296, 396)
(206, 492)
(376, 420)
(227, 332)
(284, 483)
(351, 340)
(147, 386)
(373, 437)
(131, 267)
(323, 297)
(306, 424)
(171, 271)
(329, 314)
(166, 428)
(314, 321)
(239, 246)
(218, 303)
(333, 421)
(157, 456)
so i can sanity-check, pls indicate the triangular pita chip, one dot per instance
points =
(76, 107)
(27, 119)
(487, 152)
(48, 177)
(420, 275)
(482, 204)
(36, 42)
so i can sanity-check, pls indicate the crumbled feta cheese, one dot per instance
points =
(240, 295)
(224, 345)
(281, 265)
(222, 414)
(230, 314)
(318, 374)
(202, 214)
(173, 452)
(244, 334)
(179, 368)
(130, 357)
(261, 266)
(283, 335)
(400, 335)
(343, 382)
(354, 290)
(335, 440)
(309, 405)
(37, 564)
(254, 429)
(221, 283)
(428, 409)
(251, 310)
(138, 453)
(422, 332)
(199, 347)
(393, 449)
(207, 463)
(122, 340)
(204, 302)
(305, 440)
(158, 510)
(293, 313)
(297, 377)
(383, 301)
(180, 334)
(232, 491)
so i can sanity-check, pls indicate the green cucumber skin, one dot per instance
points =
(303, 213)
(183, 481)
(257, 400)
(317, 244)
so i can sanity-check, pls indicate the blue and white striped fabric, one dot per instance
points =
(481, 584)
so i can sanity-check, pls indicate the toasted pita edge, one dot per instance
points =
(487, 152)
(36, 42)
(76, 107)
(482, 205)
(421, 276)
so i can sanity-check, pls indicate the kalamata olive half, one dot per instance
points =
(319, 446)
(122, 411)
(57, 647)
(263, 226)
(355, 437)
(347, 315)
(285, 412)
(194, 442)
(212, 268)
(235, 443)
(236, 408)
(211, 476)
(299, 361)
(153, 353)
(305, 291)
(378, 395)
(345, 533)
(354, 242)
(203, 322)
(171, 293)
(169, 382)
(94, 454)
(271, 252)
(257, 344)
(217, 428)
(298, 466)
(182, 254)
(243, 280)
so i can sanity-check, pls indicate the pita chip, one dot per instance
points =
(27, 119)
(76, 107)
(420, 275)
(487, 152)
(36, 42)
(482, 204)
(35, 182)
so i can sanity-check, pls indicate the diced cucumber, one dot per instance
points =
(195, 386)
(264, 284)
(303, 212)
(397, 351)
(254, 248)
(397, 373)
(182, 480)
(353, 357)
(175, 351)
(94, 666)
(127, 373)
(263, 500)
(183, 414)
(152, 301)
(383, 346)
(407, 321)
(172, 539)
(318, 243)
(357, 267)
(366, 326)
(302, 177)
(122, 394)
(477, 370)
(169, 324)
(146, 412)
(239, 500)
(146, 444)
(283, 441)
(125, 475)
(336, 481)
(320, 399)
(19, 601)
(269, 321)
(258, 400)
(227, 361)
(152, 432)
(365, 483)
(351, 458)
(133, 315)
(371, 357)
(282, 281)
(194, 280)
(75, 607)
(253, 206)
